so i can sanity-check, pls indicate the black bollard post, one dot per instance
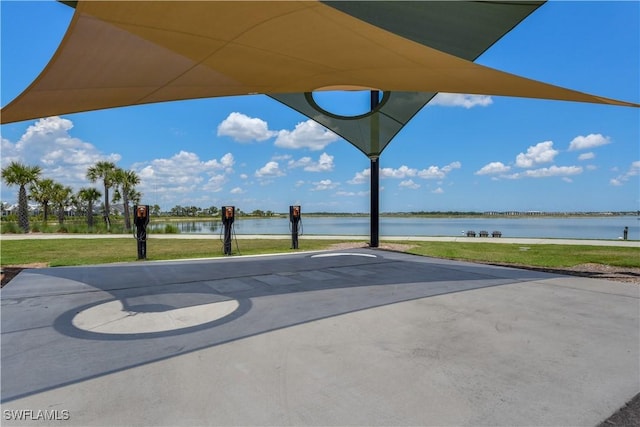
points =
(294, 218)
(228, 216)
(141, 220)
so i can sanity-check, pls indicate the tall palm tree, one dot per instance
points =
(41, 191)
(125, 182)
(106, 172)
(135, 197)
(60, 198)
(19, 174)
(89, 195)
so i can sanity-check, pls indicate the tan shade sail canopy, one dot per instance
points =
(136, 52)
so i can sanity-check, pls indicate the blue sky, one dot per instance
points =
(467, 153)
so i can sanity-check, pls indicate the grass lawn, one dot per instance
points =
(61, 252)
(539, 255)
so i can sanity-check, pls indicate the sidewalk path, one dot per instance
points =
(504, 240)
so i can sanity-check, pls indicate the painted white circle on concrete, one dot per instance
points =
(112, 318)
(343, 254)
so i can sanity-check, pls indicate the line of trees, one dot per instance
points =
(195, 211)
(50, 194)
(179, 210)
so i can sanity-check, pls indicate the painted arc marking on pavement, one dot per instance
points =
(344, 254)
(112, 318)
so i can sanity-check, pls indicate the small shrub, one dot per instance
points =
(10, 227)
(171, 229)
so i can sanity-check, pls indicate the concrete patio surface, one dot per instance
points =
(355, 337)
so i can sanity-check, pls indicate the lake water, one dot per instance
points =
(532, 227)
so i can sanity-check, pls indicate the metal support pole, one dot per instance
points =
(294, 234)
(375, 203)
(227, 237)
(375, 173)
(142, 249)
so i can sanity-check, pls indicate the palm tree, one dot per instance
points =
(135, 197)
(19, 174)
(106, 172)
(89, 195)
(125, 182)
(41, 191)
(60, 198)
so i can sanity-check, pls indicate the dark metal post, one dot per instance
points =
(228, 216)
(227, 238)
(142, 244)
(294, 235)
(141, 220)
(375, 203)
(375, 173)
(294, 219)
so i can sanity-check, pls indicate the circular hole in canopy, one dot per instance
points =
(345, 103)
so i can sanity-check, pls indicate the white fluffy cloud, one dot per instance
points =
(401, 173)
(586, 156)
(48, 143)
(590, 141)
(270, 170)
(325, 184)
(435, 172)
(543, 152)
(461, 100)
(352, 193)
(215, 183)
(409, 184)
(307, 134)
(243, 128)
(175, 180)
(634, 170)
(547, 172)
(432, 172)
(493, 168)
(324, 163)
(360, 177)
(184, 165)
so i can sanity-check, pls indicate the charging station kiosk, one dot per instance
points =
(141, 220)
(294, 219)
(228, 216)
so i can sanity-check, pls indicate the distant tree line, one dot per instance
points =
(195, 211)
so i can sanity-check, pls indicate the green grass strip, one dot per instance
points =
(63, 252)
(538, 255)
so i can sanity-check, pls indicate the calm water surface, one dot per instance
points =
(546, 227)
